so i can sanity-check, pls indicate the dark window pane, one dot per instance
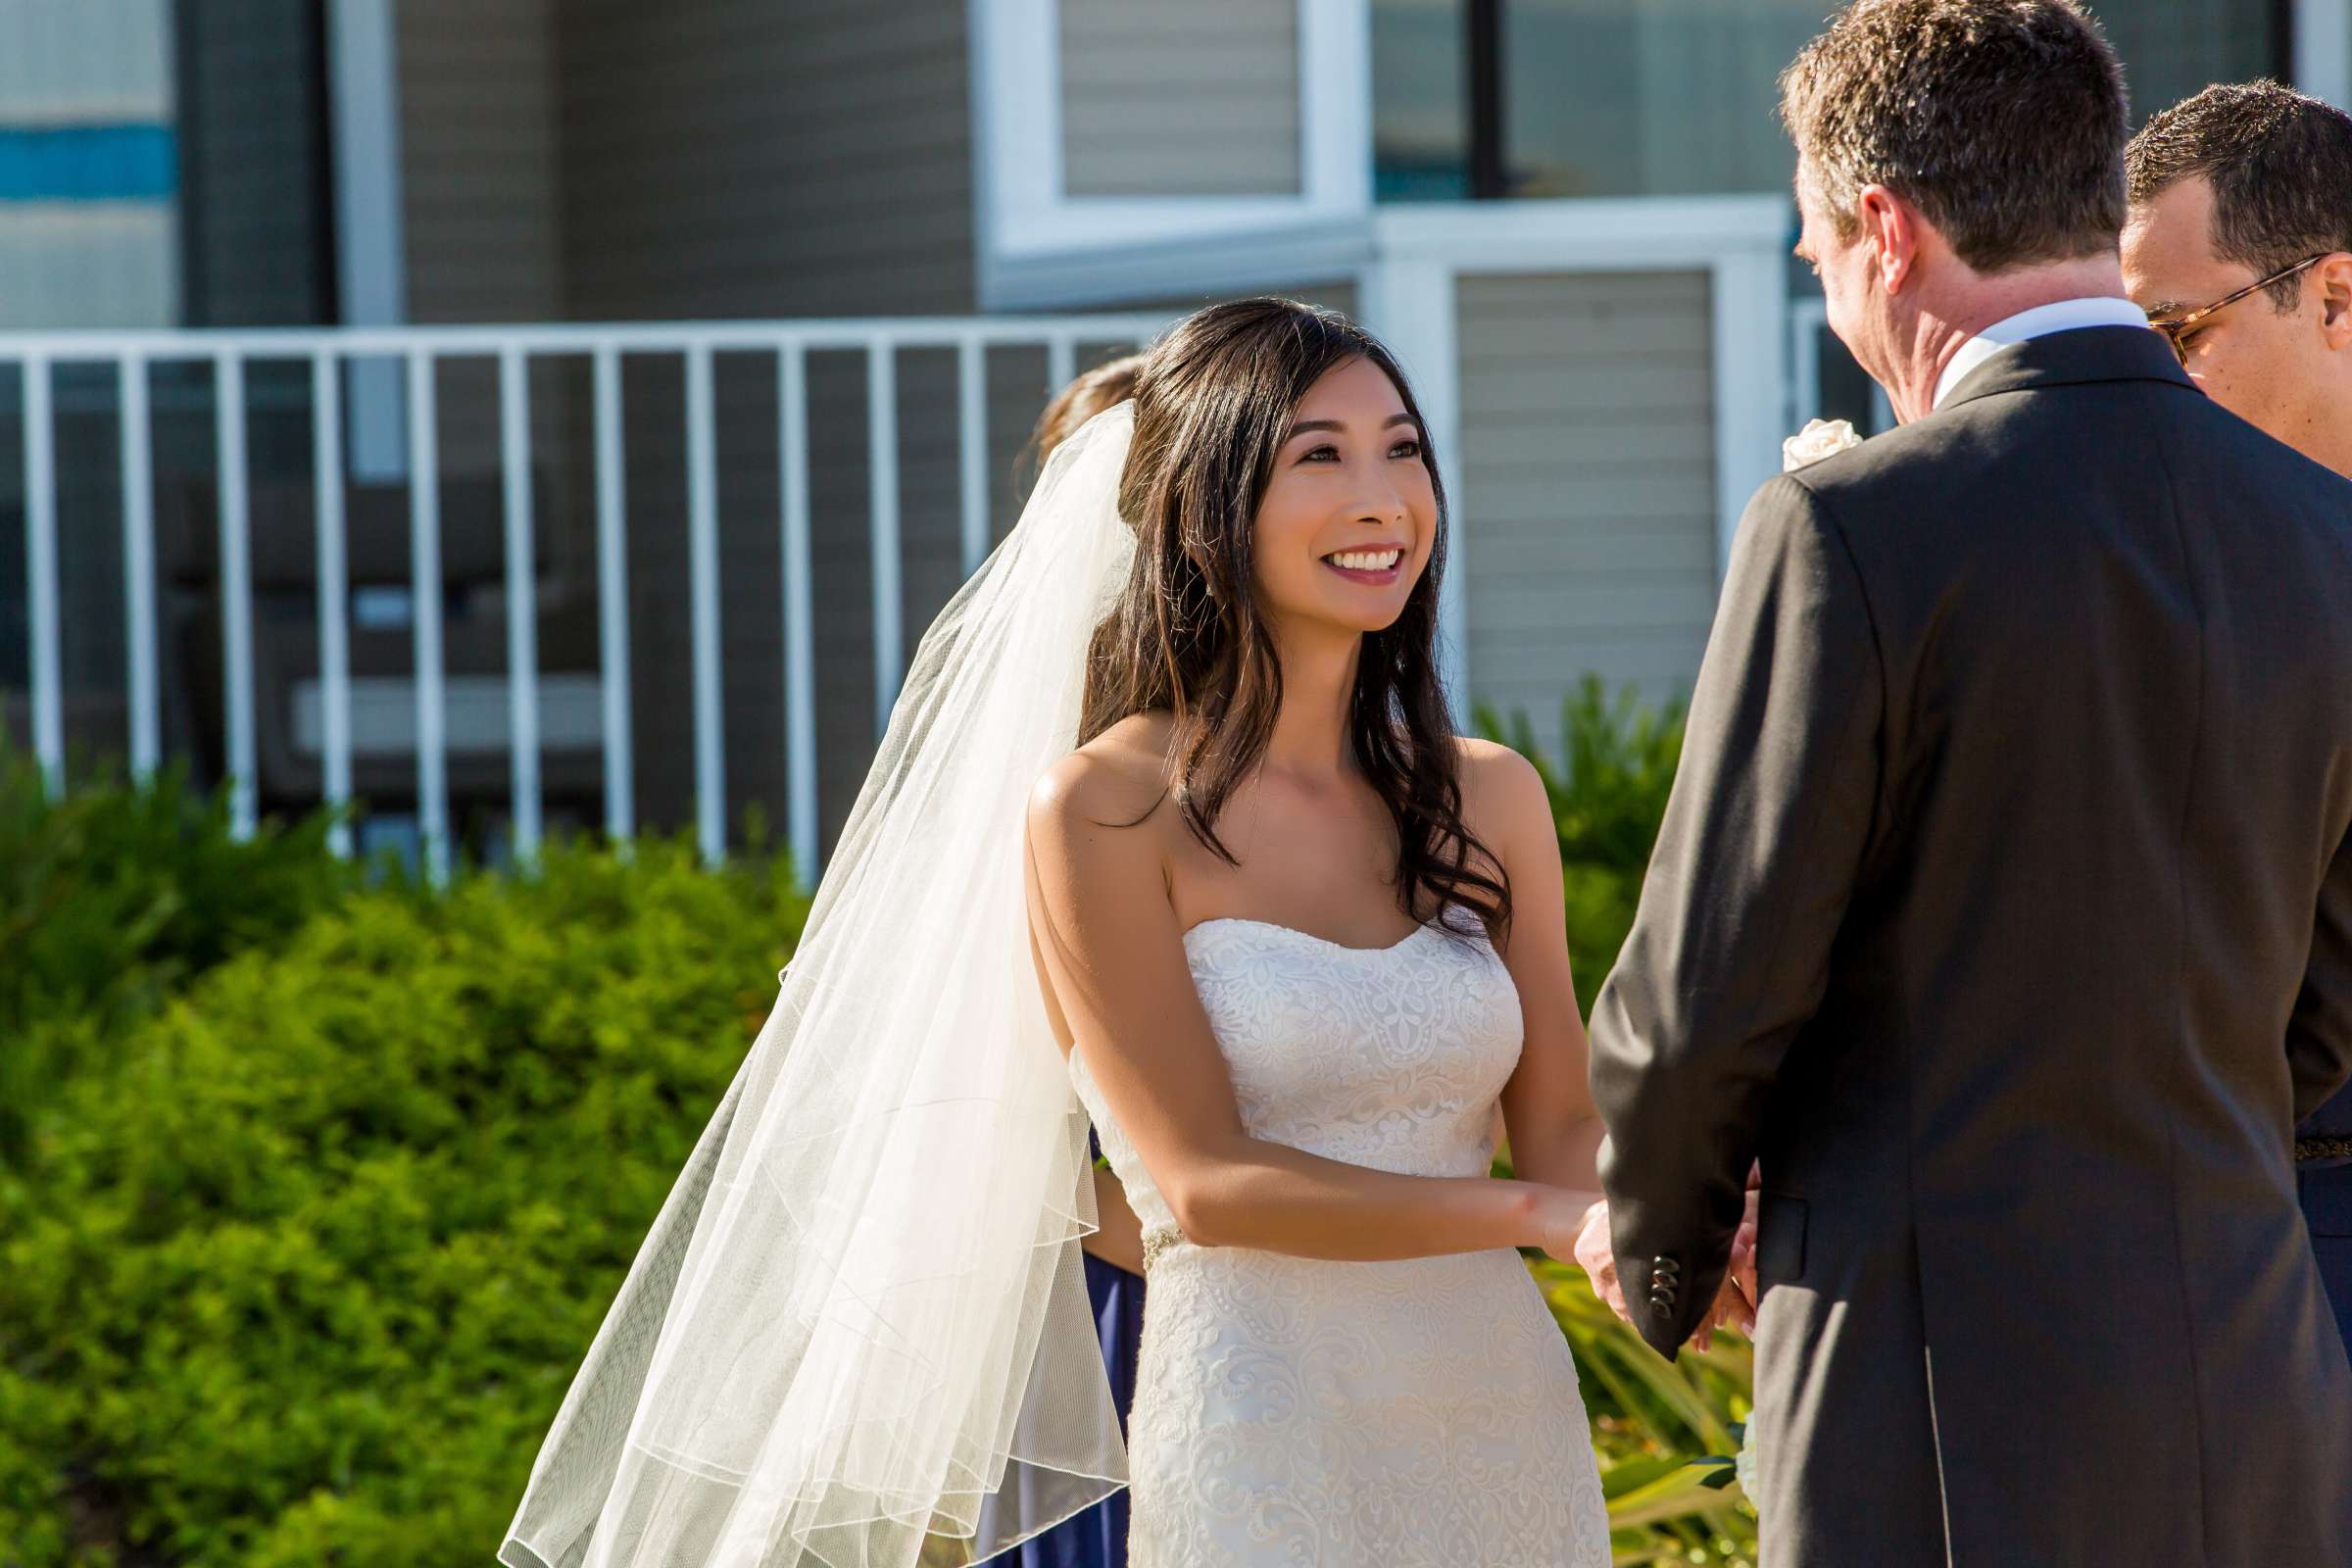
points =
(1421, 117)
(1648, 97)
(255, 223)
(2172, 48)
(1677, 97)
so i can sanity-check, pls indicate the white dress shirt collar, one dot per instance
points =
(2062, 316)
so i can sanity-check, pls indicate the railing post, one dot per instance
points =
(612, 601)
(882, 464)
(138, 566)
(799, 636)
(522, 601)
(972, 424)
(425, 573)
(41, 576)
(334, 588)
(702, 565)
(236, 589)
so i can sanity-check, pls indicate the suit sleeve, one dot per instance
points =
(2319, 1033)
(1756, 861)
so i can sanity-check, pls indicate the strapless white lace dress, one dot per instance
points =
(1417, 1415)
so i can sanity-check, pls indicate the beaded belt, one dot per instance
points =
(2311, 1148)
(1157, 1242)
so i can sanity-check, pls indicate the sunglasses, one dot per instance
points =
(2176, 328)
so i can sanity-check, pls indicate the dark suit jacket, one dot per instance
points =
(2332, 1120)
(2003, 908)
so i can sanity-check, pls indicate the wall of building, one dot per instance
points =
(87, 120)
(589, 159)
(1200, 99)
(744, 158)
(480, 160)
(1588, 485)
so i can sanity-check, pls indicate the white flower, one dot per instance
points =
(1819, 439)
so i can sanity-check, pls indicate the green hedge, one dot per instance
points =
(301, 1278)
(299, 1257)
(111, 897)
(1608, 780)
(1665, 1433)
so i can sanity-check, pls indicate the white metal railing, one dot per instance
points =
(513, 349)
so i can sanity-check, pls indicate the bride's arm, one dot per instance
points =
(1113, 962)
(1555, 1131)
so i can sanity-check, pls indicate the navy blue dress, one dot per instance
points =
(1097, 1536)
(2324, 1180)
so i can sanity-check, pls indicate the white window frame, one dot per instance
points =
(1408, 298)
(372, 275)
(2323, 63)
(1039, 246)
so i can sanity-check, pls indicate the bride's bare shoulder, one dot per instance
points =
(1502, 794)
(1117, 779)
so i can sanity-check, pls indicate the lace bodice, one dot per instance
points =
(1389, 1057)
(1419, 1413)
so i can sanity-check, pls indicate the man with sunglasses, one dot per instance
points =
(2238, 244)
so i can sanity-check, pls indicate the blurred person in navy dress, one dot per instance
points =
(1114, 1254)
(2239, 247)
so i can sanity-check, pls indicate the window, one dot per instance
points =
(1646, 97)
(1420, 99)
(1532, 98)
(2172, 48)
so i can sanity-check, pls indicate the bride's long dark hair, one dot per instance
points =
(1213, 402)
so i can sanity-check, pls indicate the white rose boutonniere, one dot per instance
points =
(1819, 439)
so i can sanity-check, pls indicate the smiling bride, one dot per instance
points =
(1170, 834)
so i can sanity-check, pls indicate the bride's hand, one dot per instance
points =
(1560, 1217)
(1592, 1251)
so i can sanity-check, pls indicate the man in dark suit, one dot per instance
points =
(2003, 906)
(2239, 243)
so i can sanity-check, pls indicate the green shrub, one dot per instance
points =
(314, 1235)
(1608, 794)
(1665, 1433)
(301, 1279)
(110, 897)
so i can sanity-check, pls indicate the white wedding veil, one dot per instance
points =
(857, 1333)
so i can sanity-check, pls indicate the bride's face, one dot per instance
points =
(1344, 530)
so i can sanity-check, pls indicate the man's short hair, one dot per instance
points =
(2002, 121)
(2279, 165)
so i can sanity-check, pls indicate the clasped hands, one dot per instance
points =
(1735, 1303)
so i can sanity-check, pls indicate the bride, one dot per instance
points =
(1303, 952)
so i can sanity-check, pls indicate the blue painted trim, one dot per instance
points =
(89, 163)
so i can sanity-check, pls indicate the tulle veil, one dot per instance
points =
(857, 1333)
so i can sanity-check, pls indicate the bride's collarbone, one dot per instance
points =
(1314, 866)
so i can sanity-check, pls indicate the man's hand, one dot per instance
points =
(1735, 1303)
(1744, 1247)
